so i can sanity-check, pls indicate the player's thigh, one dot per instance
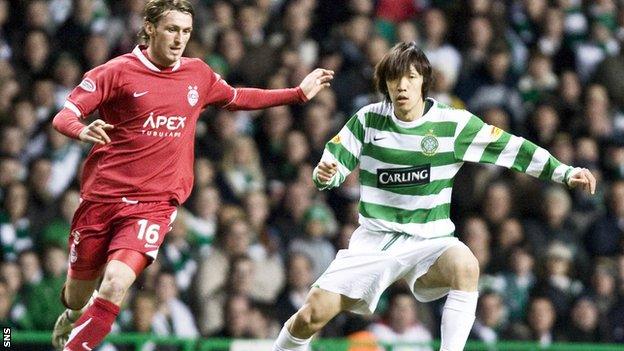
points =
(446, 268)
(88, 241)
(142, 228)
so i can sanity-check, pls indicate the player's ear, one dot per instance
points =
(150, 29)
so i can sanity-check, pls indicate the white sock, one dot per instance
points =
(457, 319)
(286, 342)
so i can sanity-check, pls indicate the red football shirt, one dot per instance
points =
(154, 113)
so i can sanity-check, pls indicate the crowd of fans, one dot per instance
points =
(255, 233)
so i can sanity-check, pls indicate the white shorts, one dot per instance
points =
(375, 260)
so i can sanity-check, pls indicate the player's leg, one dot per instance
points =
(458, 268)
(75, 297)
(318, 309)
(93, 326)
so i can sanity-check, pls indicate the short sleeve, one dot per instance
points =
(219, 92)
(95, 89)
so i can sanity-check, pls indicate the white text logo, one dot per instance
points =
(171, 123)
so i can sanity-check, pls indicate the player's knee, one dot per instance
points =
(309, 319)
(113, 288)
(466, 269)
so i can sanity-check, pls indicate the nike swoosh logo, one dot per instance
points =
(86, 346)
(378, 138)
(139, 94)
(128, 201)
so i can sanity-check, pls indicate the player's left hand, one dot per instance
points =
(315, 81)
(583, 177)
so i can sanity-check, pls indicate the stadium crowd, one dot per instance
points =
(256, 233)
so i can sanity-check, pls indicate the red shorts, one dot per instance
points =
(100, 228)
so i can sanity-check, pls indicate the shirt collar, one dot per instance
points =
(138, 52)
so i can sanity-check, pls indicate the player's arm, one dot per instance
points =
(253, 99)
(341, 155)
(476, 141)
(95, 89)
(67, 122)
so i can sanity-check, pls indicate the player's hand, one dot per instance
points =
(326, 171)
(315, 81)
(96, 132)
(583, 178)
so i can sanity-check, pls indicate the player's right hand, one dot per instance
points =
(326, 171)
(96, 132)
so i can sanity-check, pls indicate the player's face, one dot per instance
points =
(406, 91)
(169, 37)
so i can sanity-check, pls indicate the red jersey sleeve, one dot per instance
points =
(68, 123)
(223, 95)
(95, 89)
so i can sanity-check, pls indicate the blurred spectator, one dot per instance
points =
(241, 167)
(441, 54)
(10, 273)
(232, 240)
(235, 312)
(604, 237)
(296, 153)
(57, 231)
(41, 299)
(239, 281)
(32, 273)
(493, 85)
(401, 324)
(270, 274)
(516, 282)
(14, 223)
(603, 284)
(490, 323)
(552, 41)
(173, 316)
(65, 156)
(7, 313)
(585, 324)
(11, 171)
(298, 281)
(557, 282)
(497, 204)
(261, 325)
(540, 324)
(78, 26)
(35, 62)
(178, 254)
(143, 319)
(540, 80)
(202, 220)
(476, 236)
(556, 224)
(317, 222)
(600, 45)
(289, 217)
(96, 51)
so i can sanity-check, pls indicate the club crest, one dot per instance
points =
(193, 95)
(429, 144)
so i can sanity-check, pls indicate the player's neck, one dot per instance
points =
(416, 112)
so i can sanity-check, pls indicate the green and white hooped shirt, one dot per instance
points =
(407, 168)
